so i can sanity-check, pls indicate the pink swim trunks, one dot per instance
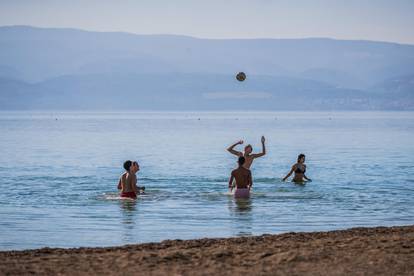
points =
(242, 193)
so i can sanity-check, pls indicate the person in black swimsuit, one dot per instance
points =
(299, 169)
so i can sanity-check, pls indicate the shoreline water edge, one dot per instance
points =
(355, 251)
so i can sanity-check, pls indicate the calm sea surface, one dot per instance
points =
(59, 171)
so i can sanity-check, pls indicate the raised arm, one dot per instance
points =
(289, 174)
(256, 155)
(233, 151)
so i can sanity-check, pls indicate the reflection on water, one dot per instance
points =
(128, 210)
(239, 206)
(243, 205)
(241, 210)
(128, 206)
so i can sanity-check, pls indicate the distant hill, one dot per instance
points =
(185, 92)
(75, 69)
(401, 86)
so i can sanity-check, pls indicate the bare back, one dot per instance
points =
(243, 177)
(128, 182)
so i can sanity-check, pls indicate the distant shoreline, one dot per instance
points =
(224, 111)
(367, 251)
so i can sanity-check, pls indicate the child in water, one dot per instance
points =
(128, 180)
(243, 179)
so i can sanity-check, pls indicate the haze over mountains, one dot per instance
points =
(74, 69)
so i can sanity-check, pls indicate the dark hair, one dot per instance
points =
(300, 156)
(127, 165)
(241, 160)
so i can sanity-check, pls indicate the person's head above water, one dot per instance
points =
(301, 158)
(135, 166)
(131, 166)
(248, 149)
(127, 165)
(241, 161)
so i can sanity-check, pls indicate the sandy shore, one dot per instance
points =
(358, 251)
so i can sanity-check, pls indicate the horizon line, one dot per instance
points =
(204, 38)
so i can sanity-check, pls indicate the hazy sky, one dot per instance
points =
(384, 20)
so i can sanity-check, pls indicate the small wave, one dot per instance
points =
(183, 179)
(113, 196)
(196, 179)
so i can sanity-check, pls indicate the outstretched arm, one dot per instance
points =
(235, 152)
(256, 155)
(289, 174)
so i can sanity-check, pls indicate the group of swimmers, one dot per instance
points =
(241, 180)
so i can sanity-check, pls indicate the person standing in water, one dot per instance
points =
(248, 155)
(243, 179)
(299, 169)
(128, 180)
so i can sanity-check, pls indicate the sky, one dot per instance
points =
(379, 20)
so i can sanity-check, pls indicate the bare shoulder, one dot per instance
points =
(129, 176)
(247, 170)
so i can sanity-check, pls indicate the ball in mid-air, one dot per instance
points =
(241, 76)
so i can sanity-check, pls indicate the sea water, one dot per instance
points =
(59, 173)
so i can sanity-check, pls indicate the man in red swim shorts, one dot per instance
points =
(128, 180)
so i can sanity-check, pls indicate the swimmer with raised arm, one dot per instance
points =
(128, 180)
(248, 155)
(243, 179)
(299, 169)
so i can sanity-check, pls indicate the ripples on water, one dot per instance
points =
(58, 175)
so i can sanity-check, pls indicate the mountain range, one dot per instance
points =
(73, 69)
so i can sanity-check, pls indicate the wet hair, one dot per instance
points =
(127, 165)
(241, 160)
(248, 146)
(300, 156)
